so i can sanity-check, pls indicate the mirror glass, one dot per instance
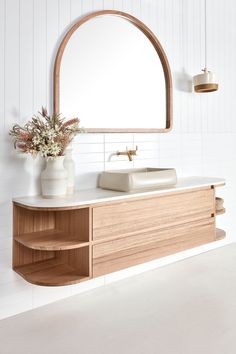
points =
(112, 77)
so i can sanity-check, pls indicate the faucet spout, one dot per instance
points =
(129, 156)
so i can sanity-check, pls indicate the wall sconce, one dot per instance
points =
(205, 82)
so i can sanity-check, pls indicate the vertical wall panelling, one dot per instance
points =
(2, 63)
(87, 6)
(178, 72)
(126, 6)
(97, 5)
(26, 60)
(12, 53)
(40, 58)
(117, 4)
(64, 16)
(203, 140)
(108, 4)
(52, 35)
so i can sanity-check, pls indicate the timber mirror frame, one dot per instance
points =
(160, 52)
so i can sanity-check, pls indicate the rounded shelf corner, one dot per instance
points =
(51, 272)
(220, 212)
(220, 234)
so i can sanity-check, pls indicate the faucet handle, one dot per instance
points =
(135, 151)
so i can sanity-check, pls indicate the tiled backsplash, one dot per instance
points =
(203, 141)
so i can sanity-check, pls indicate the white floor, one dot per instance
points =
(185, 308)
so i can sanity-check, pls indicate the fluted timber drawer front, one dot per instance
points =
(129, 217)
(117, 254)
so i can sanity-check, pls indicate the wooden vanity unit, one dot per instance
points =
(96, 232)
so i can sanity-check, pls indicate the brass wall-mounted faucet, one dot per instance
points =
(129, 153)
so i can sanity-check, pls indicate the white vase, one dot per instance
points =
(69, 165)
(54, 178)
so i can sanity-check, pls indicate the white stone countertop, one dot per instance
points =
(98, 195)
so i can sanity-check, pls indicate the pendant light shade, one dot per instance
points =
(206, 81)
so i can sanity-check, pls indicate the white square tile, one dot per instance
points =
(146, 137)
(147, 145)
(170, 151)
(118, 138)
(83, 168)
(142, 163)
(86, 138)
(118, 165)
(191, 154)
(81, 158)
(120, 146)
(87, 148)
(147, 154)
(86, 180)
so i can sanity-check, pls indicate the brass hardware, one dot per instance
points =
(129, 153)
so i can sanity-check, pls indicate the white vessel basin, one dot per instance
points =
(137, 179)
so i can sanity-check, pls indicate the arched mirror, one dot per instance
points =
(112, 72)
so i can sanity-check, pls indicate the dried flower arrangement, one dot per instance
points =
(45, 135)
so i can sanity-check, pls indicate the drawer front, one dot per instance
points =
(148, 215)
(118, 254)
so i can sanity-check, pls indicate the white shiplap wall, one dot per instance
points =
(203, 141)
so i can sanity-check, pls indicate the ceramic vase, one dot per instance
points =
(54, 178)
(69, 165)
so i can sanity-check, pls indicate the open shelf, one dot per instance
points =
(53, 268)
(52, 247)
(52, 272)
(220, 212)
(220, 234)
(63, 228)
(50, 240)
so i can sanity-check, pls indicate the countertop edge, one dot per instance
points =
(109, 196)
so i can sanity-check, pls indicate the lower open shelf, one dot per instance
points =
(52, 272)
(51, 247)
(220, 212)
(220, 234)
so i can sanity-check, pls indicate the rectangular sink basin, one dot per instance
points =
(137, 179)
